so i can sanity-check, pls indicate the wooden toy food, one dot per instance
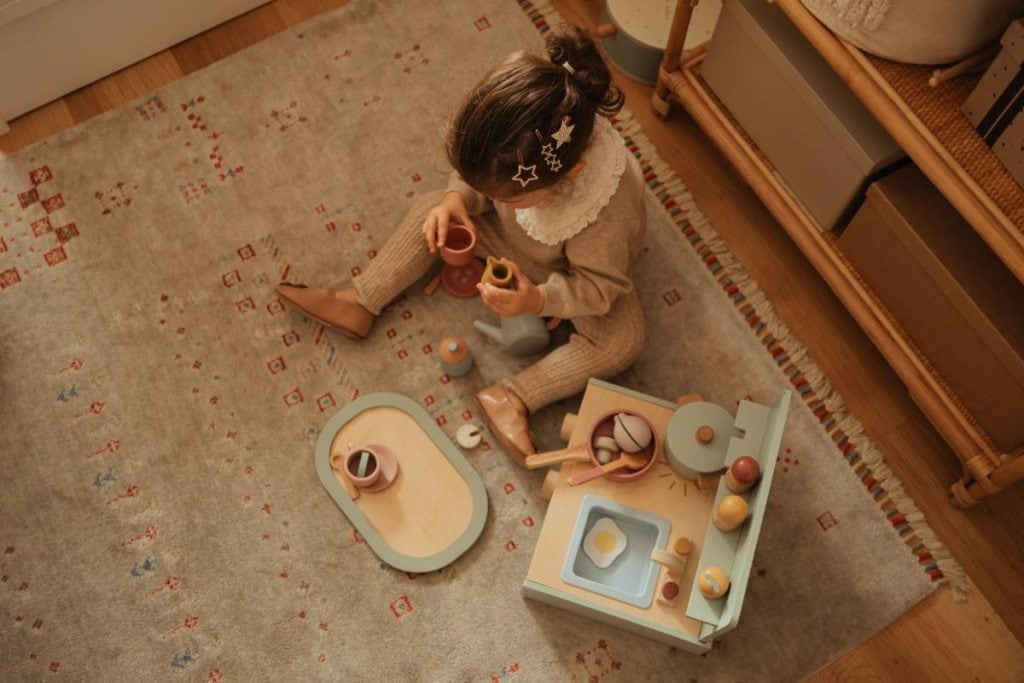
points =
(604, 542)
(604, 448)
(631, 432)
(730, 513)
(602, 433)
(742, 474)
(713, 582)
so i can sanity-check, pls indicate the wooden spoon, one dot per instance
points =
(574, 454)
(630, 460)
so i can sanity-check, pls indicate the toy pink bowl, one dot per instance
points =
(605, 426)
(459, 244)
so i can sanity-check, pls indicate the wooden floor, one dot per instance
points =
(940, 640)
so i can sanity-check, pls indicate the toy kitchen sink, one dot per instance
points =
(629, 575)
(609, 546)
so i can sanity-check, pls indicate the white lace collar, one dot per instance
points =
(574, 204)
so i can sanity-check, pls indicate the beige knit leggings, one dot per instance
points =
(602, 346)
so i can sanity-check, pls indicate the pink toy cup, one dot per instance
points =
(459, 244)
(362, 466)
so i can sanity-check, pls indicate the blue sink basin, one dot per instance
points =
(632, 576)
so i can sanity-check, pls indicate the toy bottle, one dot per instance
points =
(521, 335)
(456, 360)
(496, 273)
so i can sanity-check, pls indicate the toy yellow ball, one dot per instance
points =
(730, 513)
(713, 582)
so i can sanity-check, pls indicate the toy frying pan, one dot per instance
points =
(603, 426)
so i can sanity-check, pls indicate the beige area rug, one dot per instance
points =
(161, 518)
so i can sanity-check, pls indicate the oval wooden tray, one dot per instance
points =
(437, 505)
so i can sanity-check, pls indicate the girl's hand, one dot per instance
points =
(525, 298)
(452, 209)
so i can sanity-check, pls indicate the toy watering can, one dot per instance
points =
(521, 335)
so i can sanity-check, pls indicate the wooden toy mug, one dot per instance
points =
(362, 466)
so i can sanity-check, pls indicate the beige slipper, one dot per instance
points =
(351, 319)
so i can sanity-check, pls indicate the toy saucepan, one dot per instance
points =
(631, 429)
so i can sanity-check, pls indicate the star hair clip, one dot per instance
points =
(551, 158)
(564, 132)
(521, 176)
(527, 174)
(549, 151)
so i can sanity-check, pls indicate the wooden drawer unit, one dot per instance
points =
(928, 125)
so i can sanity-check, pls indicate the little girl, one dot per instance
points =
(544, 181)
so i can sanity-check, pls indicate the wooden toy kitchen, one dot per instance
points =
(654, 513)
(664, 551)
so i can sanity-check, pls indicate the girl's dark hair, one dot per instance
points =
(511, 114)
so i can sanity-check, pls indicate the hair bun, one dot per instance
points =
(589, 72)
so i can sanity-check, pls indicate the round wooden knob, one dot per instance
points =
(568, 425)
(705, 434)
(547, 488)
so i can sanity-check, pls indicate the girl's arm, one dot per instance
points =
(476, 203)
(598, 273)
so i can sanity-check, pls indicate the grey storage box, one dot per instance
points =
(997, 93)
(1009, 147)
(823, 143)
(996, 106)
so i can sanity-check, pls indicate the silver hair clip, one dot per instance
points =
(568, 67)
(527, 174)
(564, 132)
(551, 158)
(547, 150)
(524, 181)
(520, 175)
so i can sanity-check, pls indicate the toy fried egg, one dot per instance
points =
(604, 542)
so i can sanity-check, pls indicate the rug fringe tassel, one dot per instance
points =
(893, 499)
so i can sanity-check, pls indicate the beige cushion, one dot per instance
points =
(918, 31)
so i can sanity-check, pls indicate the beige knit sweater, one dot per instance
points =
(584, 274)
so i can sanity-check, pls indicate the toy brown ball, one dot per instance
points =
(742, 474)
